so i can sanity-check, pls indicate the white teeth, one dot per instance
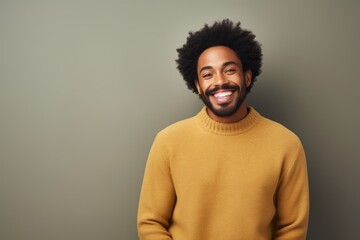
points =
(222, 94)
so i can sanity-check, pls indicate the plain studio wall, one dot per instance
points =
(86, 85)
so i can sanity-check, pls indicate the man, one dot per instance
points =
(227, 173)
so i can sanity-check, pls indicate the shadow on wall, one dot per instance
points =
(276, 100)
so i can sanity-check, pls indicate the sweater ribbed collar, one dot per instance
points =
(209, 124)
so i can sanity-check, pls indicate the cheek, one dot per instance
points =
(204, 85)
(238, 80)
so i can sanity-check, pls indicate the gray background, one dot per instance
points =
(86, 85)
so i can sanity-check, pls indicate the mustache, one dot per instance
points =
(211, 91)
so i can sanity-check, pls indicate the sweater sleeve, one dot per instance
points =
(292, 201)
(157, 197)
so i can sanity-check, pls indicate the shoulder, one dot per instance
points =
(281, 143)
(178, 129)
(278, 133)
(176, 134)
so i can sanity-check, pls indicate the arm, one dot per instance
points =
(157, 196)
(292, 201)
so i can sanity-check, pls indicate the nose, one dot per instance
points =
(220, 79)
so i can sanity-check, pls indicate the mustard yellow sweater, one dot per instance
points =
(206, 180)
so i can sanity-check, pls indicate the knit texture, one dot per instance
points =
(206, 180)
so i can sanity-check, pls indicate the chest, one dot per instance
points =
(226, 165)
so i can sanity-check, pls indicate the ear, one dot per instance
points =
(197, 85)
(248, 77)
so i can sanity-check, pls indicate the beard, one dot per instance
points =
(225, 109)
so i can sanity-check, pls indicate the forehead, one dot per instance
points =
(216, 56)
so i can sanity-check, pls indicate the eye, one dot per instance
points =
(230, 70)
(207, 75)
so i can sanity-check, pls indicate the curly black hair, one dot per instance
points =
(222, 33)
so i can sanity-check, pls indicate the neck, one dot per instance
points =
(236, 117)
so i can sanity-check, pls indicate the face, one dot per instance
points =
(222, 83)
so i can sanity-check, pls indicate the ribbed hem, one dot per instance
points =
(251, 119)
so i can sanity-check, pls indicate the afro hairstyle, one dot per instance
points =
(222, 33)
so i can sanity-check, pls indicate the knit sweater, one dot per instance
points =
(206, 180)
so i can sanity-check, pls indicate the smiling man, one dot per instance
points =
(227, 173)
(222, 84)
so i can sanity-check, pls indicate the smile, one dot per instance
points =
(222, 94)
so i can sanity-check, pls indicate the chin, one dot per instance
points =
(225, 111)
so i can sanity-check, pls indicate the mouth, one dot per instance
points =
(223, 96)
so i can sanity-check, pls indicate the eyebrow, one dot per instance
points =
(225, 64)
